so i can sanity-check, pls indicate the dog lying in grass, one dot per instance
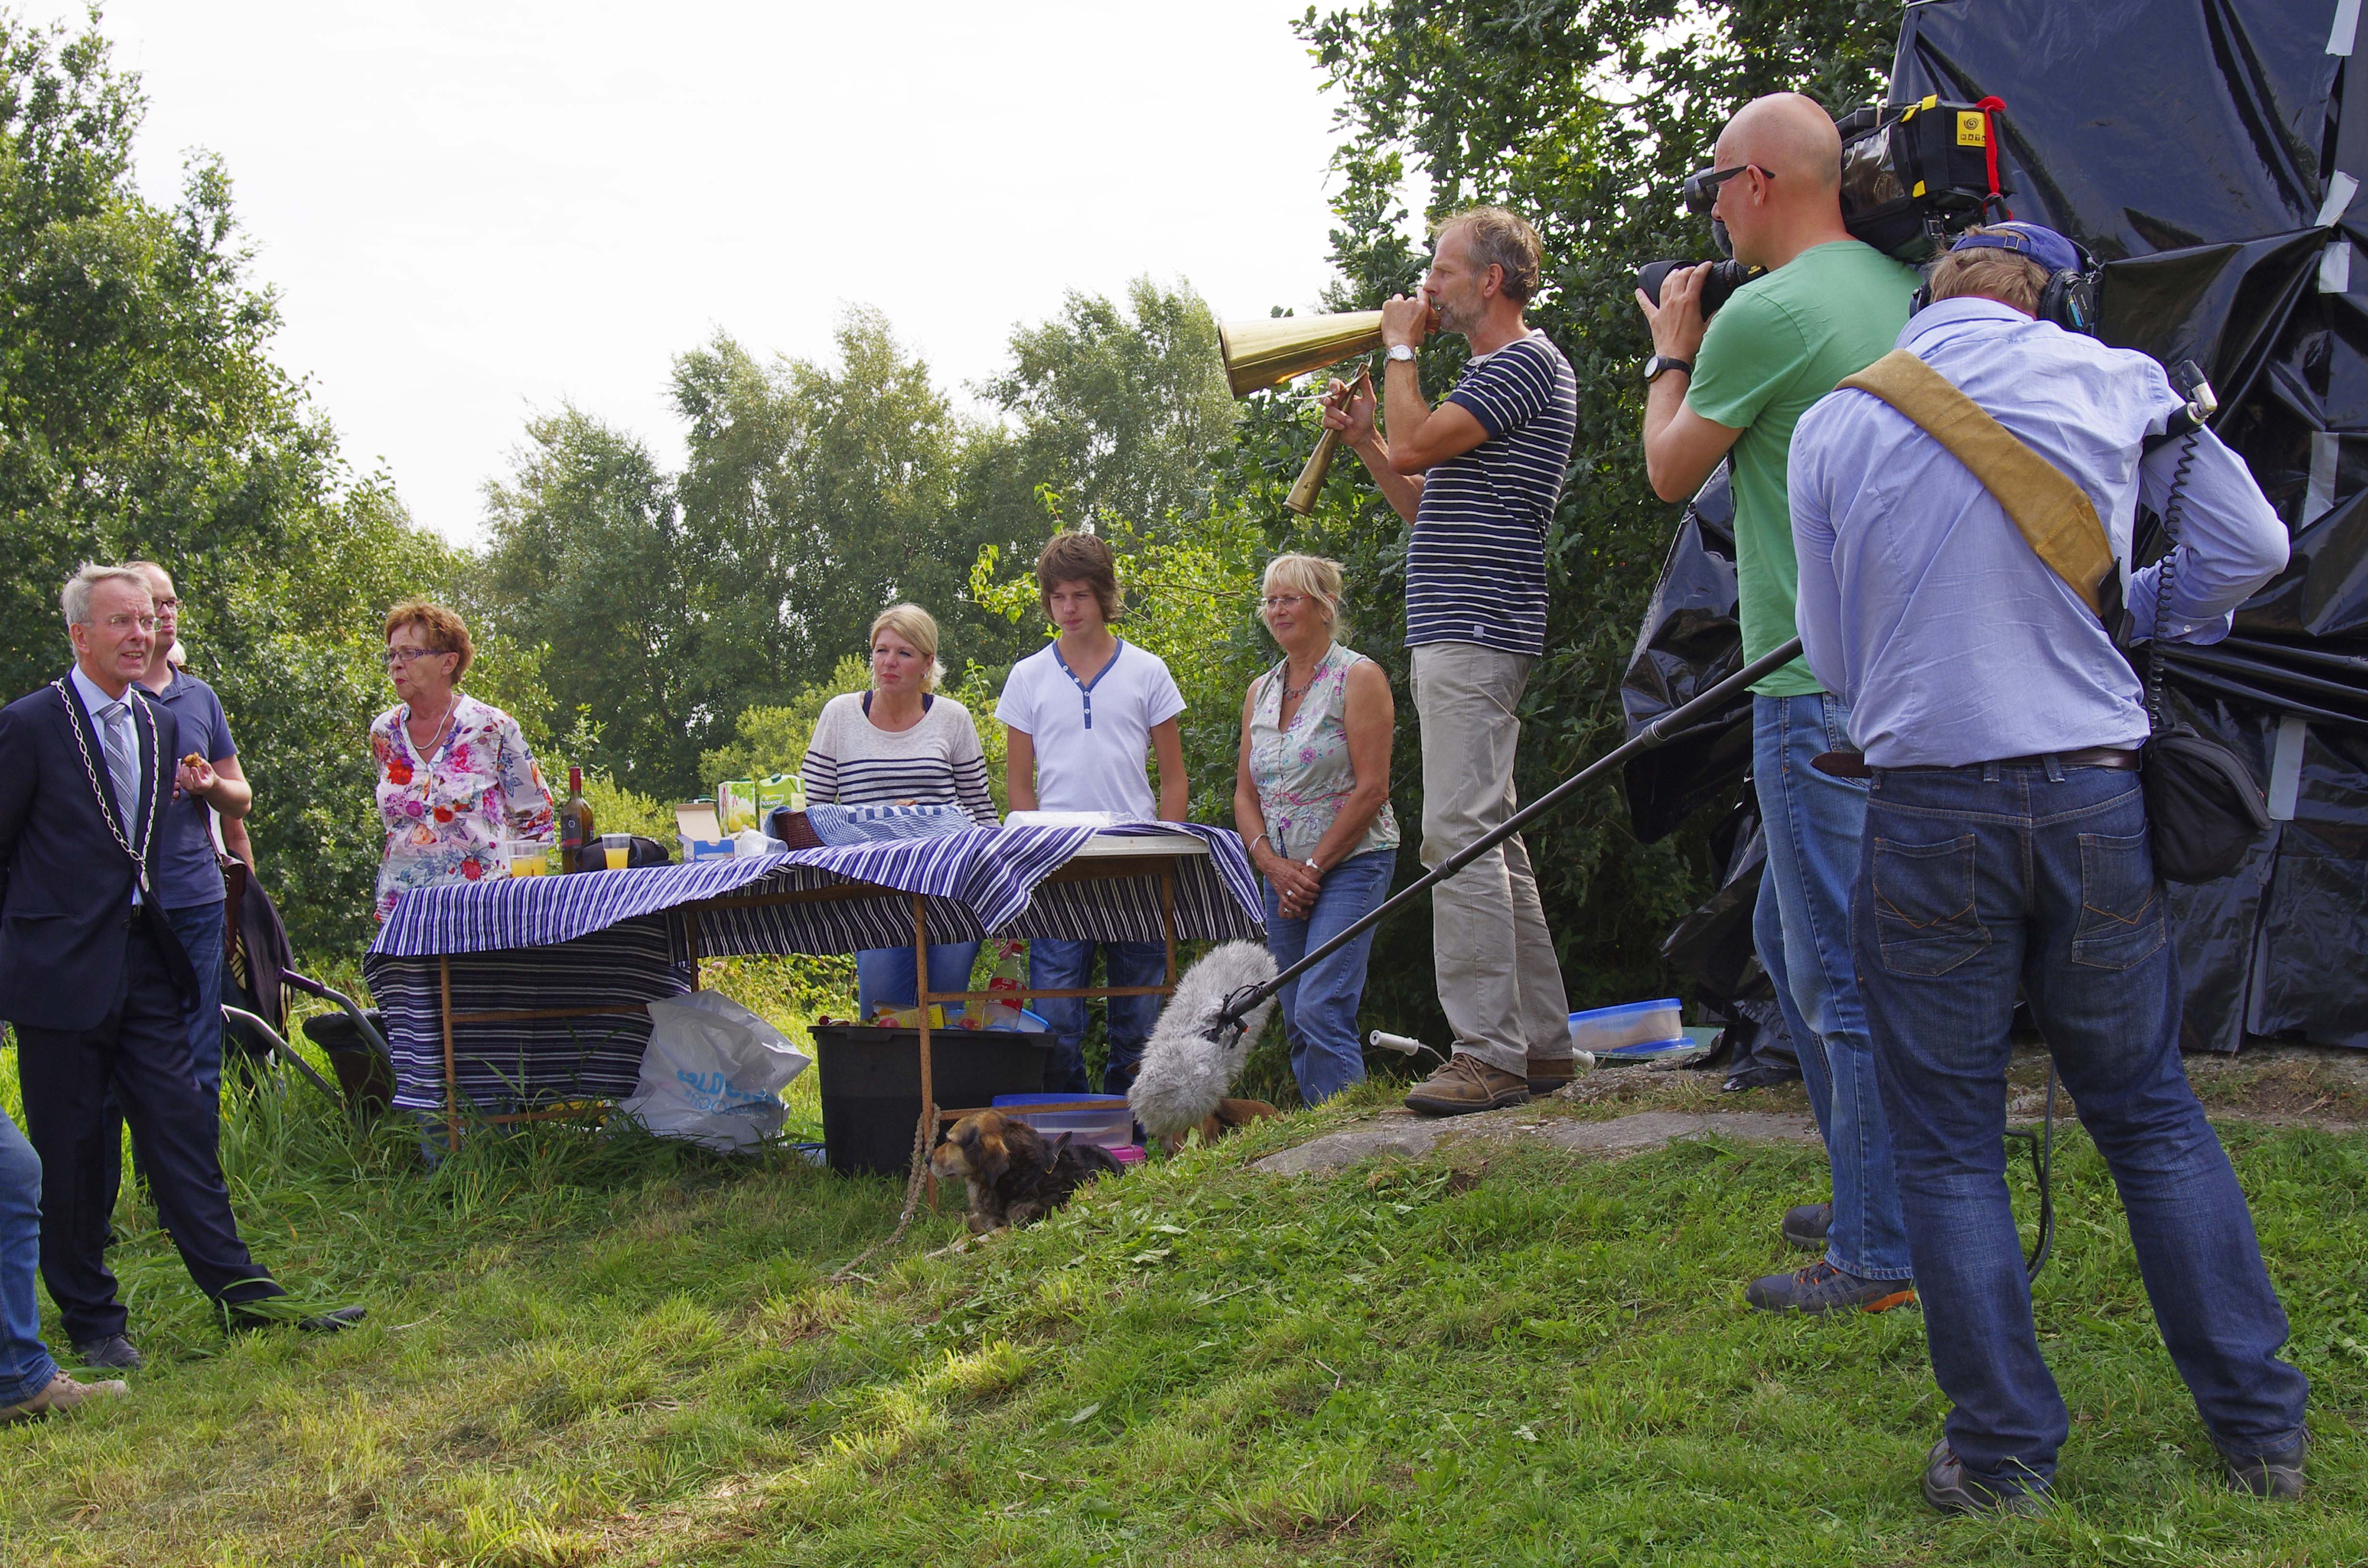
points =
(1015, 1175)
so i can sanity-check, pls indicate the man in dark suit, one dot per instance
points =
(94, 980)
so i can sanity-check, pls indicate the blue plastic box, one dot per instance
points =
(1603, 1029)
(1112, 1127)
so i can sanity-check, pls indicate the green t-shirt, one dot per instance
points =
(1784, 341)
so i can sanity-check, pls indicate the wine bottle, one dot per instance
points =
(575, 826)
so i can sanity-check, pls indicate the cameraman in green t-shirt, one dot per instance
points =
(1826, 307)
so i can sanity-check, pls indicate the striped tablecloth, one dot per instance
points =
(623, 938)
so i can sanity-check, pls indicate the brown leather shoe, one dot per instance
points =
(1548, 1073)
(63, 1393)
(1465, 1084)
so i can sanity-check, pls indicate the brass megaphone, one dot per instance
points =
(1261, 354)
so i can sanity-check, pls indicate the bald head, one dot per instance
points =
(1789, 134)
(1787, 195)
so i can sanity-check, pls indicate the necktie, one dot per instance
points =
(122, 761)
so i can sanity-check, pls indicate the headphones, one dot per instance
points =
(2068, 298)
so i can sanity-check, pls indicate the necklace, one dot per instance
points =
(451, 703)
(1293, 693)
(148, 834)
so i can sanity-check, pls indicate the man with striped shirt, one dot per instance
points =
(1478, 477)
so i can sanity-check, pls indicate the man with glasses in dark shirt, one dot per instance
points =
(207, 779)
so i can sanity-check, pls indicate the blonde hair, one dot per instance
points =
(1497, 236)
(916, 626)
(440, 629)
(1994, 274)
(1313, 575)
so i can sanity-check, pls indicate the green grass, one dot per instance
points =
(592, 1350)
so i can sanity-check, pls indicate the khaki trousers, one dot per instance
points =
(1499, 981)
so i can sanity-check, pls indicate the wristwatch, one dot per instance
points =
(1660, 362)
(1401, 351)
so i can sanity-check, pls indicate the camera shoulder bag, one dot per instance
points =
(2205, 811)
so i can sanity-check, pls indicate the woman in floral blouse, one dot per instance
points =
(1312, 800)
(454, 775)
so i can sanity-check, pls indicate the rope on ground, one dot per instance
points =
(921, 1132)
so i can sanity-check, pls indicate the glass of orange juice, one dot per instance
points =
(528, 857)
(617, 848)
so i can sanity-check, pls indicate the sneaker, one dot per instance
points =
(1808, 1226)
(112, 1351)
(63, 1393)
(1822, 1288)
(2268, 1475)
(1947, 1488)
(1465, 1084)
(1548, 1073)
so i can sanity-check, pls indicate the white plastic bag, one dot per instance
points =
(712, 1073)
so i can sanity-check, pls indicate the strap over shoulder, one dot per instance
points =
(2055, 515)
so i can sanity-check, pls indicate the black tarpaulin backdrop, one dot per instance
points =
(2199, 148)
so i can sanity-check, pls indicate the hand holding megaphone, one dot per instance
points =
(1348, 408)
(1408, 319)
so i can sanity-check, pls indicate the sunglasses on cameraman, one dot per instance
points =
(1702, 186)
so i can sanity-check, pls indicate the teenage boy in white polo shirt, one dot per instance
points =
(1078, 718)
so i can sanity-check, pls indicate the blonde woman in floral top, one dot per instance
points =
(454, 775)
(1312, 800)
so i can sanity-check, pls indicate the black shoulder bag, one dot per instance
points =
(2203, 811)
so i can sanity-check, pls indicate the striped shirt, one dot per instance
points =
(852, 762)
(1476, 572)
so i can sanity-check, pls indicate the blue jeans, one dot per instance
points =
(885, 974)
(1063, 965)
(201, 931)
(25, 1365)
(1814, 822)
(1319, 1008)
(1978, 879)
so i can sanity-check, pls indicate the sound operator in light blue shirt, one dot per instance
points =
(2006, 849)
(1920, 603)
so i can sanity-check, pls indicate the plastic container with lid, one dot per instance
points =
(1601, 1030)
(1110, 1123)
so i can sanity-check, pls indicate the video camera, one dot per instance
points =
(1913, 179)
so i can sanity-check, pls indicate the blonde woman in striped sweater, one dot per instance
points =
(901, 743)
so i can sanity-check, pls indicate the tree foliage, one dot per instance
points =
(141, 415)
(1119, 409)
(820, 495)
(587, 559)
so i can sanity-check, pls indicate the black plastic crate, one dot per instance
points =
(872, 1086)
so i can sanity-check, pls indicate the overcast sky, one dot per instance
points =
(473, 212)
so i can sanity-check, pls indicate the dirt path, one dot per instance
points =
(1623, 1110)
(1411, 1136)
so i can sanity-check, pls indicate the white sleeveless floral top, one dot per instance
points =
(1302, 773)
